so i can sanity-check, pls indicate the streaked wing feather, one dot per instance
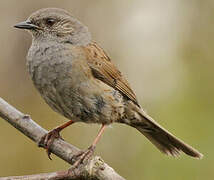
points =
(104, 70)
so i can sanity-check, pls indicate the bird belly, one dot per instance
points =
(70, 89)
(86, 104)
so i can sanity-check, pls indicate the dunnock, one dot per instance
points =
(77, 79)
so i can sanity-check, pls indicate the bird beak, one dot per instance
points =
(26, 25)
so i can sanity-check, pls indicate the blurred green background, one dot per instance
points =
(166, 50)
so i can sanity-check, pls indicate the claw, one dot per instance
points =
(48, 139)
(82, 156)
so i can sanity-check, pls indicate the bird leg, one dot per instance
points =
(47, 139)
(85, 155)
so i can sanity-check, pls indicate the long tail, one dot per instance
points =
(161, 138)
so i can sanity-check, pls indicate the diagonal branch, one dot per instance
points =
(95, 169)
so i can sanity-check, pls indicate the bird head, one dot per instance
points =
(53, 24)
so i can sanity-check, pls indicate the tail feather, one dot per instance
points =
(162, 139)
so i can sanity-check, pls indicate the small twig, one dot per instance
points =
(50, 176)
(95, 169)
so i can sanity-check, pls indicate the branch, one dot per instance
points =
(95, 169)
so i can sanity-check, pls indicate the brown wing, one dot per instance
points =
(104, 70)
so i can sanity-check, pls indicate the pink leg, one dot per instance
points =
(85, 155)
(102, 129)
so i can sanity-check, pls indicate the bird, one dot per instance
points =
(78, 80)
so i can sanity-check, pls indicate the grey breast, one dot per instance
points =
(49, 68)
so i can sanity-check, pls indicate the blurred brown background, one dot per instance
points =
(166, 50)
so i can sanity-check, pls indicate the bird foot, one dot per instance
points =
(47, 140)
(82, 157)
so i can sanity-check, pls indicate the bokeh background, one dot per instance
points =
(165, 49)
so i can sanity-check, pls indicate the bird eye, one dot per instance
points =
(50, 21)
